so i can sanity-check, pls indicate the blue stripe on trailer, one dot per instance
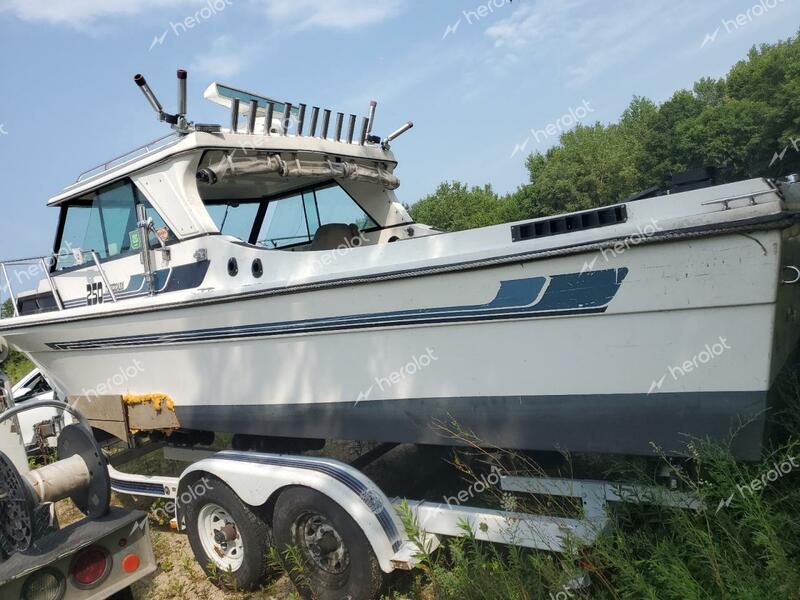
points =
(157, 489)
(340, 475)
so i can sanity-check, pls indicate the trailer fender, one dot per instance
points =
(258, 478)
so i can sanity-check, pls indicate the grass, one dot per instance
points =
(17, 366)
(742, 543)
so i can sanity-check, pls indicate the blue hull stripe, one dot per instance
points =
(571, 294)
(168, 280)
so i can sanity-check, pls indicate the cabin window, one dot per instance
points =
(294, 220)
(235, 218)
(104, 221)
(288, 220)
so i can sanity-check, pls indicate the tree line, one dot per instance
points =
(747, 122)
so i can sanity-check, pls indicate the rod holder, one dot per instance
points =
(351, 129)
(251, 121)
(270, 116)
(287, 117)
(148, 93)
(362, 140)
(314, 118)
(339, 125)
(373, 105)
(235, 115)
(301, 119)
(326, 121)
(396, 134)
(182, 75)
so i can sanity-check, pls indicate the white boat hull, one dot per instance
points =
(648, 347)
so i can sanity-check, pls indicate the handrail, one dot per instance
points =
(725, 201)
(42, 262)
(139, 152)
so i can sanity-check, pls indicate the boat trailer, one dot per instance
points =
(259, 480)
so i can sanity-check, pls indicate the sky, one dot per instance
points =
(485, 83)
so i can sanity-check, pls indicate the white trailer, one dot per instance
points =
(236, 505)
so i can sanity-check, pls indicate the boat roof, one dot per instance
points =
(277, 138)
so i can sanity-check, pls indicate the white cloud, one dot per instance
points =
(589, 39)
(331, 14)
(531, 23)
(294, 14)
(225, 58)
(80, 13)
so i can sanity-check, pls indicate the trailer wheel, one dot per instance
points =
(337, 561)
(228, 539)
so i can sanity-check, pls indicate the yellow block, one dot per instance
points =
(155, 399)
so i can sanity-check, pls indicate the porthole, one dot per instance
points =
(233, 267)
(258, 268)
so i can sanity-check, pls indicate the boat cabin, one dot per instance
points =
(285, 179)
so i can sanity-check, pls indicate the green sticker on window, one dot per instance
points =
(136, 240)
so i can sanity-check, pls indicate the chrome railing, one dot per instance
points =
(134, 154)
(40, 268)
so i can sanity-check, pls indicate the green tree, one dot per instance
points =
(743, 121)
(17, 364)
(455, 207)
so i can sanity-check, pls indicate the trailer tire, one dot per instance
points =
(244, 546)
(338, 562)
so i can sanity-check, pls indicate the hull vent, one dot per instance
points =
(601, 217)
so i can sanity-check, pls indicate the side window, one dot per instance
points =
(234, 218)
(285, 223)
(336, 206)
(295, 220)
(105, 222)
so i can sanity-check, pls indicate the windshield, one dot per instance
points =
(288, 220)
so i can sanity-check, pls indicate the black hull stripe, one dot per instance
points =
(626, 424)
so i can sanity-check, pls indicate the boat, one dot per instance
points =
(265, 277)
